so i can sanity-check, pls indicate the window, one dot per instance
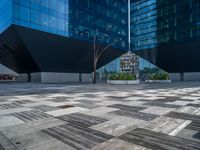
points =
(44, 19)
(24, 13)
(35, 17)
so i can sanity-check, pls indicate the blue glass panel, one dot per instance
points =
(24, 13)
(6, 14)
(35, 17)
(76, 18)
(44, 19)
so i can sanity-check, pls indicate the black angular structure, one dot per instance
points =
(27, 50)
(59, 37)
(175, 58)
(167, 33)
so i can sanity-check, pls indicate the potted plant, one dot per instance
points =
(160, 77)
(122, 78)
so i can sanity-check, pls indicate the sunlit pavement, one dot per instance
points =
(84, 116)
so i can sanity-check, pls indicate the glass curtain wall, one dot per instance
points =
(104, 19)
(6, 14)
(143, 24)
(45, 15)
(81, 19)
(157, 23)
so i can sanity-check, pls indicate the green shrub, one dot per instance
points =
(159, 76)
(121, 76)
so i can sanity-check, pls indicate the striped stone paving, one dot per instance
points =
(45, 108)
(157, 141)
(9, 106)
(77, 136)
(195, 118)
(6, 144)
(194, 126)
(30, 115)
(100, 117)
(82, 119)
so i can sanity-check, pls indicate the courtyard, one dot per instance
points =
(37, 116)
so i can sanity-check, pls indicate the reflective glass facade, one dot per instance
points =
(82, 19)
(45, 15)
(160, 22)
(107, 19)
(5, 14)
(58, 35)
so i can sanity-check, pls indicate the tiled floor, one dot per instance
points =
(100, 117)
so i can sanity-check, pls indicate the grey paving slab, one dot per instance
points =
(30, 127)
(58, 100)
(188, 110)
(155, 110)
(117, 144)
(6, 121)
(87, 106)
(9, 106)
(6, 144)
(15, 110)
(102, 112)
(85, 116)
(82, 119)
(179, 102)
(195, 125)
(155, 140)
(45, 108)
(79, 138)
(194, 105)
(66, 111)
(119, 125)
(136, 103)
(161, 104)
(189, 134)
(167, 125)
(107, 103)
(88, 101)
(53, 145)
(39, 102)
(190, 98)
(31, 115)
(168, 99)
(185, 116)
(38, 140)
(136, 115)
(22, 102)
(127, 108)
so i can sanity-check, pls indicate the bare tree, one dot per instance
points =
(97, 53)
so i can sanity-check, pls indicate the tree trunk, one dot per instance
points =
(80, 77)
(29, 77)
(94, 75)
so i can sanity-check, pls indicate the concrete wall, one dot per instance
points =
(22, 78)
(174, 77)
(63, 77)
(86, 77)
(35, 77)
(192, 76)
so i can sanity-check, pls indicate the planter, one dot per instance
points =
(123, 82)
(158, 81)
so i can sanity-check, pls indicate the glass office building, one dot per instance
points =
(6, 14)
(58, 35)
(167, 33)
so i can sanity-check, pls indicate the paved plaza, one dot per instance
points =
(100, 117)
